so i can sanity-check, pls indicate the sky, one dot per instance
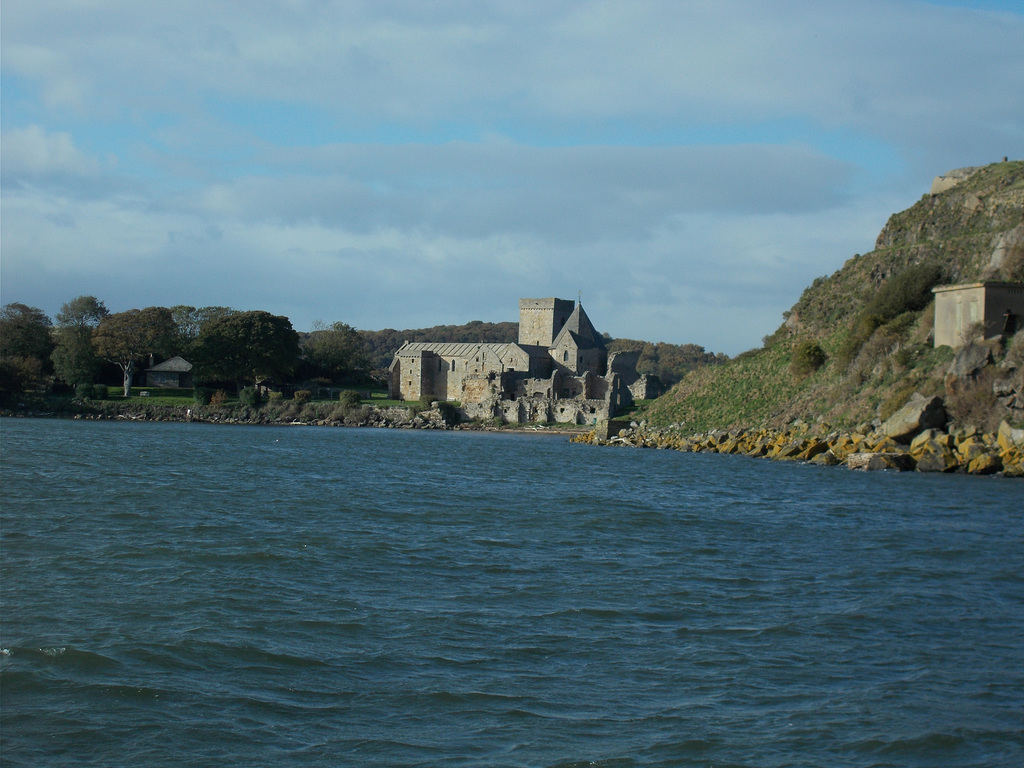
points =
(685, 167)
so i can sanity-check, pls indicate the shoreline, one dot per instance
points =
(965, 450)
(367, 416)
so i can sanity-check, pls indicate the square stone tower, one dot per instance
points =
(540, 320)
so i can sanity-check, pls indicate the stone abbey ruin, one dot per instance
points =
(559, 371)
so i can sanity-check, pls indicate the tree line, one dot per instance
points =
(227, 347)
(669, 362)
(224, 345)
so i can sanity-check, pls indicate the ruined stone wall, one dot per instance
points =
(646, 388)
(539, 410)
(624, 364)
(476, 390)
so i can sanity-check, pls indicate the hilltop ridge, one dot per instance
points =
(858, 343)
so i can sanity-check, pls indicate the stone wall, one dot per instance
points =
(539, 410)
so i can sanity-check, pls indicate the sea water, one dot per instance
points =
(184, 594)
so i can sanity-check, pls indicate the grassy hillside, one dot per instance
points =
(858, 343)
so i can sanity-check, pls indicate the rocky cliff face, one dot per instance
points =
(974, 230)
(847, 358)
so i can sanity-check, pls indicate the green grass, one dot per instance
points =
(155, 395)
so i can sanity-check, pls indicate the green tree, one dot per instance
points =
(25, 348)
(74, 359)
(125, 338)
(190, 321)
(338, 352)
(24, 332)
(246, 347)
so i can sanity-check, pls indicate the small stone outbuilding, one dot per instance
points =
(175, 373)
(985, 309)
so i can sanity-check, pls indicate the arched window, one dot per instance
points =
(565, 356)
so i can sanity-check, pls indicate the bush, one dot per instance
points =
(450, 413)
(864, 325)
(250, 396)
(302, 396)
(275, 396)
(100, 392)
(84, 391)
(808, 356)
(908, 291)
(974, 404)
(876, 355)
(348, 398)
(220, 397)
(202, 395)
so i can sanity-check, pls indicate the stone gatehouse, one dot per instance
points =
(559, 371)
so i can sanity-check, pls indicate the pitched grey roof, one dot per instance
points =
(582, 331)
(174, 365)
(455, 349)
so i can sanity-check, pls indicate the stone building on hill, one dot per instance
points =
(559, 371)
(987, 309)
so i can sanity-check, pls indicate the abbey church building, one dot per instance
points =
(559, 371)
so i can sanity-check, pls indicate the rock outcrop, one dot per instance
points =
(919, 414)
(932, 450)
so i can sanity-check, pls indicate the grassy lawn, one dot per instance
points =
(156, 395)
(167, 396)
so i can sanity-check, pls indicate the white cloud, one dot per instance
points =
(33, 152)
(689, 166)
(884, 66)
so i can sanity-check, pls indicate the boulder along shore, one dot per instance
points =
(928, 450)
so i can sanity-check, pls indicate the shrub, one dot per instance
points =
(908, 291)
(348, 398)
(100, 392)
(864, 325)
(250, 396)
(202, 395)
(84, 391)
(974, 404)
(450, 413)
(275, 396)
(220, 397)
(808, 356)
(302, 396)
